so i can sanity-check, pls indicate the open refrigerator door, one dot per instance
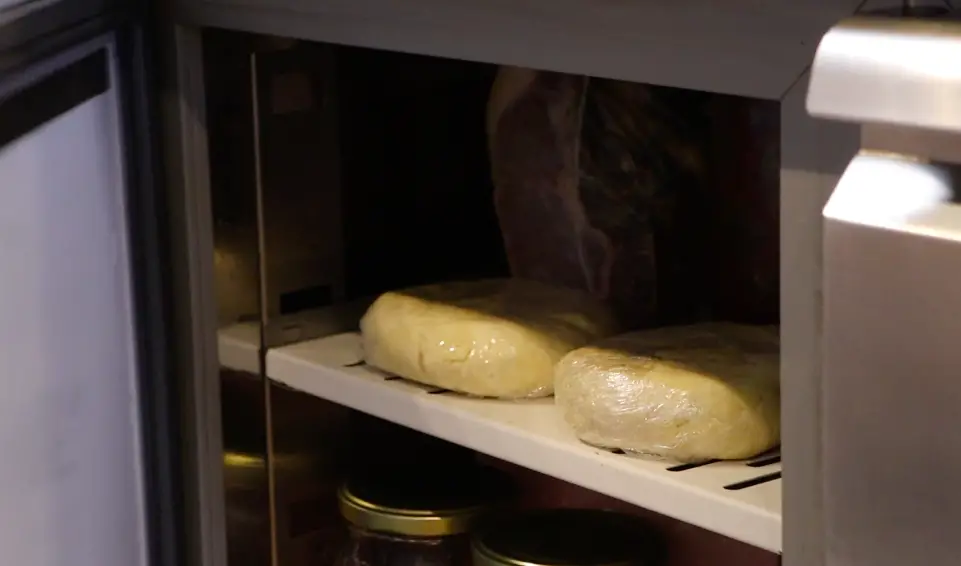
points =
(90, 416)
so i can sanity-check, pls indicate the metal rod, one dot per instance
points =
(264, 317)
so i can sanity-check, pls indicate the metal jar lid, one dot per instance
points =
(421, 505)
(565, 537)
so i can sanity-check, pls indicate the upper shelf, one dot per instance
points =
(746, 47)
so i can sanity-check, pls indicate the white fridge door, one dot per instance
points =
(70, 472)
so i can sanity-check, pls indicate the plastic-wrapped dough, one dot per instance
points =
(688, 393)
(491, 338)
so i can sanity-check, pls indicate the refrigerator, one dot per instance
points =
(200, 199)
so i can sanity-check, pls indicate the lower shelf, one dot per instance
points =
(741, 500)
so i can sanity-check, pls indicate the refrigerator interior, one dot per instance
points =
(338, 173)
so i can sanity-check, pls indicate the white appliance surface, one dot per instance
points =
(891, 393)
(70, 483)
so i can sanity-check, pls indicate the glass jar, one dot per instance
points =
(566, 537)
(372, 548)
(415, 520)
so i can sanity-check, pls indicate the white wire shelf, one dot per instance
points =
(741, 500)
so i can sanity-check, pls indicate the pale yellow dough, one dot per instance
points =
(688, 393)
(491, 338)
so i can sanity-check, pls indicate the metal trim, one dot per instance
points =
(161, 437)
(26, 109)
(194, 310)
(896, 71)
(41, 29)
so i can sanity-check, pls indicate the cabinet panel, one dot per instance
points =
(71, 484)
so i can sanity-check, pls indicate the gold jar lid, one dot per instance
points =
(566, 537)
(427, 505)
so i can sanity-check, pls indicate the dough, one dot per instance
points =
(490, 338)
(688, 393)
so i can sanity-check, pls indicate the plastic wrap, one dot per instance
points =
(600, 186)
(490, 338)
(687, 393)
